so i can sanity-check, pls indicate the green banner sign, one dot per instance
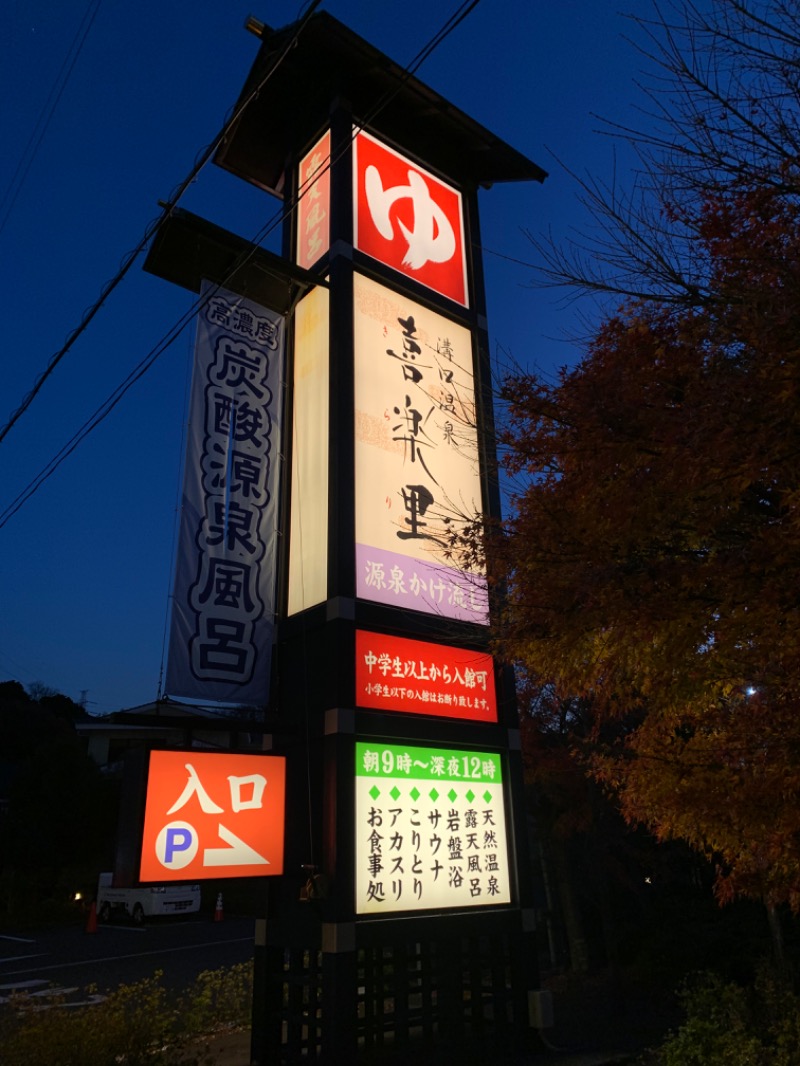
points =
(427, 764)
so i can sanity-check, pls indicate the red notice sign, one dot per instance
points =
(313, 210)
(415, 676)
(408, 219)
(213, 814)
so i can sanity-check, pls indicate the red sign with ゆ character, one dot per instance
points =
(408, 219)
(213, 814)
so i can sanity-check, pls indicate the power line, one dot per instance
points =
(177, 328)
(133, 254)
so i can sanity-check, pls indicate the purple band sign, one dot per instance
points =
(418, 585)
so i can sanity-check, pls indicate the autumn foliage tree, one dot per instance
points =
(652, 554)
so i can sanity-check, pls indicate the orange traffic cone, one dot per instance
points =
(91, 921)
(218, 915)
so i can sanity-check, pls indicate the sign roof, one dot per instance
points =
(292, 107)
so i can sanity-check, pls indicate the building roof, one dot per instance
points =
(330, 61)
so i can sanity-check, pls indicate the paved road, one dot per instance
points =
(72, 959)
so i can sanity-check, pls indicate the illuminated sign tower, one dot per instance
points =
(406, 903)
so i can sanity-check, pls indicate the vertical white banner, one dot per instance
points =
(223, 603)
(308, 534)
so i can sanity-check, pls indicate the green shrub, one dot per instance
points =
(728, 1025)
(218, 999)
(134, 1025)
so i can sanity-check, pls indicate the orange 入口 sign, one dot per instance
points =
(213, 814)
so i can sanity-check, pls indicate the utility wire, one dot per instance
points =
(177, 328)
(151, 229)
(42, 123)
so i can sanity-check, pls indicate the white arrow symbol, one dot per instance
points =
(238, 854)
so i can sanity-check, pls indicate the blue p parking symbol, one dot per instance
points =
(176, 845)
